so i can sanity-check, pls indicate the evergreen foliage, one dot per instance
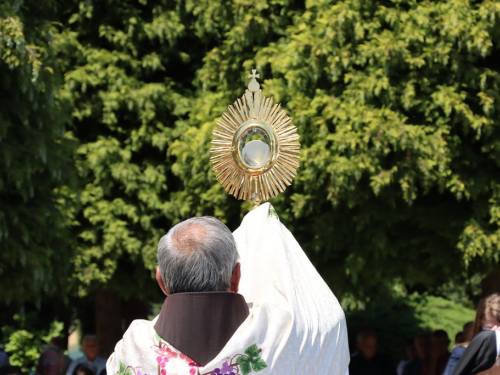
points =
(35, 154)
(25, 343)
(396, 103)
(136, 98)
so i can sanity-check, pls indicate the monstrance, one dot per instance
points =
(255, 149)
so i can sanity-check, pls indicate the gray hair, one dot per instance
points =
(197, 255)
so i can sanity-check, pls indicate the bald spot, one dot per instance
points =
(190, 238)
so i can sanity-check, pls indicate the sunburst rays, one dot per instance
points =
(247, 183)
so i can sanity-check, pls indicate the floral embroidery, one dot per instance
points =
(167, 353)
(164, 355)
(242, 364)
(129, 370)
(239, 364)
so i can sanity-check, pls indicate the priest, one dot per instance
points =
(242, 303)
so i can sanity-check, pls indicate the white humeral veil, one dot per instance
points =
(310, 337)
(295, 326)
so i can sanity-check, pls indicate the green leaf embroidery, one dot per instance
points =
(259, 365)
(122, 369)
(252, 362)
(252, 351)
(244, 365)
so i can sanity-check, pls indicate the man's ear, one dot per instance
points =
(160, 281)
(235, 279)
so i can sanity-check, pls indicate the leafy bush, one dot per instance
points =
(24, 344)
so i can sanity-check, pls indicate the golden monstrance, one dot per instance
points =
(255, 149)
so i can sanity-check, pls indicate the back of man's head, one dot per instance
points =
(440, 342)
(58, 342)
(440, 334)
(468, 331)
(197, 255)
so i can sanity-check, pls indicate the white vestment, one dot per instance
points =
(295, 325)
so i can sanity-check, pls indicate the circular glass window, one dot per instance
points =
(254, 148)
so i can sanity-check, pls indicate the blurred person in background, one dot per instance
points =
(421, 364)
(411, 353)
(367, 360)
(4, 359)
(458, 350)
(459, 338)
(91, 359)
(53, 361)
(468, 331)
(439, 352)
(465, 335)
(487, 317)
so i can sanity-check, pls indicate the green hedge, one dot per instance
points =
(24, 343)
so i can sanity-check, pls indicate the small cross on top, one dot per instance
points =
(254, 75)
(254, 86)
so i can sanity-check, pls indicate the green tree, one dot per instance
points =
(35, 156)
(401, 97)
(130, 73)
(397, 107)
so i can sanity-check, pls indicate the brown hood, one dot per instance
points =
(200, 324)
